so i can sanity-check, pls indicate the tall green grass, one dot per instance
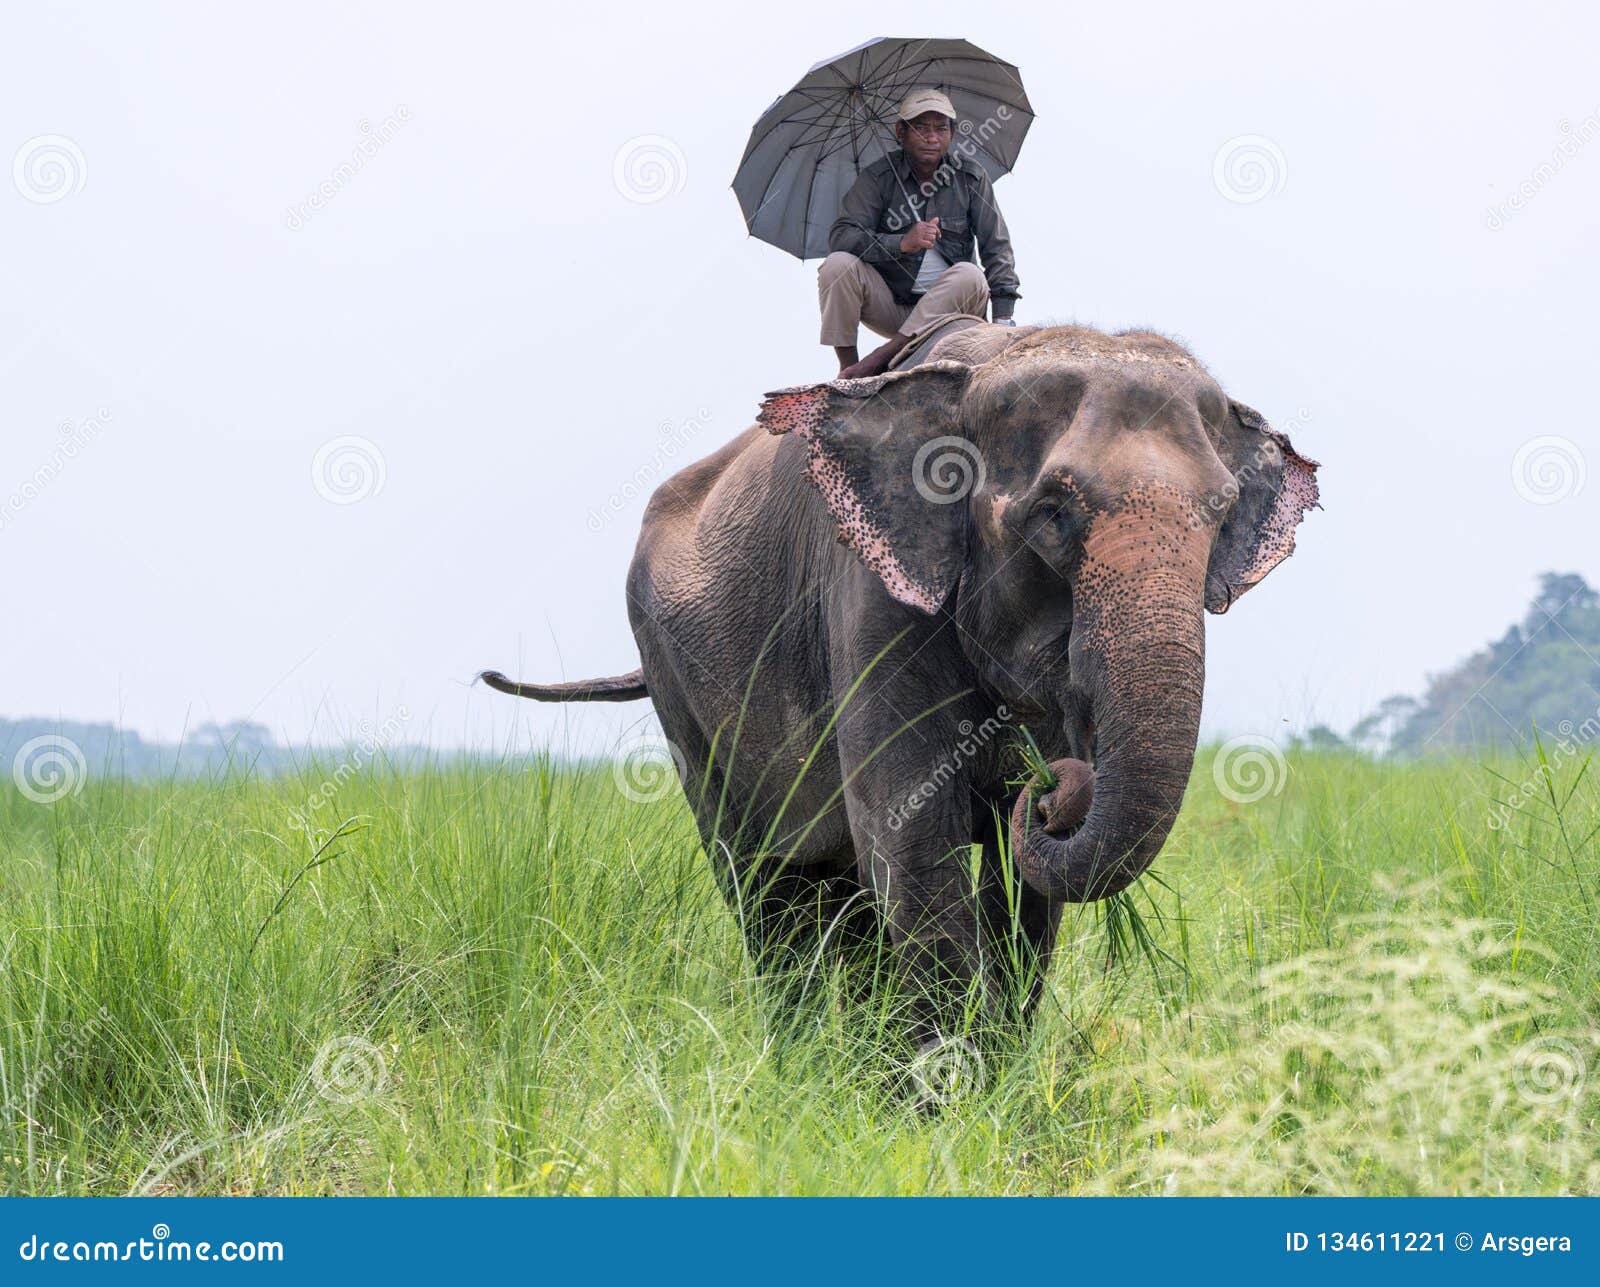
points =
(515, 980)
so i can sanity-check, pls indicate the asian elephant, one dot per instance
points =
(847, 615)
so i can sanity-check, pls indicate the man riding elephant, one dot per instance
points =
(902, 246)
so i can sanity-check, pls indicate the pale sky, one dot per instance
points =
(521, 339)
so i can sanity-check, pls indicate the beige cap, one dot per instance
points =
(923, 100)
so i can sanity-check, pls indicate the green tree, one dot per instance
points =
(1543, 672)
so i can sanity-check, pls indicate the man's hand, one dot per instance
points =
(922, 236)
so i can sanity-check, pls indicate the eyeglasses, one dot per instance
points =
(931, 131)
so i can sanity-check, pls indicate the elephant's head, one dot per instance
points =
(1075, 503)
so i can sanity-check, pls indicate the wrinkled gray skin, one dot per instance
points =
(843, 662)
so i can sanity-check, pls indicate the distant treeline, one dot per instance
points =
(209, 751)
(1542, 675)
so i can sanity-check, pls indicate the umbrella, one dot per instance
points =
(809, 146)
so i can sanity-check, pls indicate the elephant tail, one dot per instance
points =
(614, 688)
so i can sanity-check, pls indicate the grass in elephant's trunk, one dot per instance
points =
(1055, 796)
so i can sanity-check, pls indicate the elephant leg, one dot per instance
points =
(800, 916)
(800, 923)
(920, 873)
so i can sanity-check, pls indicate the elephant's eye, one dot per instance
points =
(1050, 528)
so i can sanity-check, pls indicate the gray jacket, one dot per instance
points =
(874, 217)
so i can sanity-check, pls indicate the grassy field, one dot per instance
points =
(519, 981)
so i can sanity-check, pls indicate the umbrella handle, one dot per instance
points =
(910, 204)
(916, 217)
(895, 144)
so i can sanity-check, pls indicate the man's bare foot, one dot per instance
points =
(876, 362)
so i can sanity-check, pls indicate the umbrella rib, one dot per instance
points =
(832, 146)
(828, 118)
(906, 56)
(812, 133)
(820, 95)
(922, 65)
(816, 134)
(866, 121)
(904, 53)
(807, 120)
(805, 210)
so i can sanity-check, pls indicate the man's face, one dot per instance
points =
(926, 138)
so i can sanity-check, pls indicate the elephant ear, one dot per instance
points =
(1276, 486)
(885, 456)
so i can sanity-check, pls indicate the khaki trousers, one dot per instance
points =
(852, 292)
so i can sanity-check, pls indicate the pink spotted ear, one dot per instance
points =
(863, 439)
(1277, 487)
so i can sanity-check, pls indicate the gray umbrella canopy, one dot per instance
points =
(809, 146)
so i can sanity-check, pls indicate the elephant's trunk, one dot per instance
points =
(1138, 649)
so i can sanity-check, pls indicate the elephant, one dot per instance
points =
(848, 615)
